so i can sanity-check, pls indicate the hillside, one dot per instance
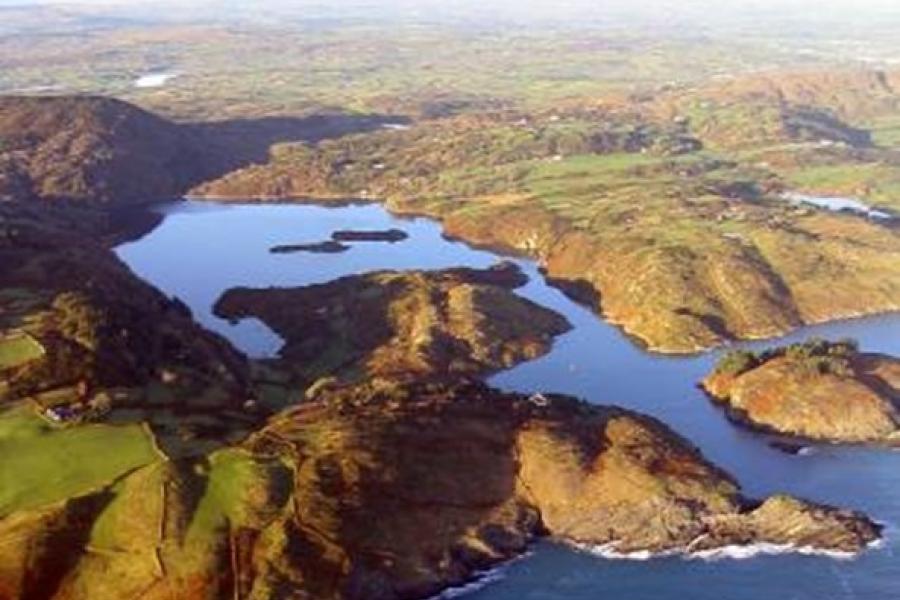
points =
(92, 149)
(83, 340)
(102, 150)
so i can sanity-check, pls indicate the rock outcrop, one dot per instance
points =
(333, 499)
(403, 324)
(818, 390)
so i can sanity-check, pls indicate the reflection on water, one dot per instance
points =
(200, 250)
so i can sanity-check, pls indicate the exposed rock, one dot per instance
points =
(329, 247)
(819, 390)
(386, 491)
(403, 324)
(388, 235)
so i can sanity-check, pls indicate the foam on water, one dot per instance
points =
(735, 552)
(609, 551)
(731, 552)
(481, 580)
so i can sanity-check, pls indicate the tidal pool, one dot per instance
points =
(202, 249)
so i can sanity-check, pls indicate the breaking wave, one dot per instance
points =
(480, 580)
(733, 552)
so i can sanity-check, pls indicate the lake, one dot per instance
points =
(201, 249)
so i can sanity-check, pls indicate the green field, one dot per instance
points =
(239, 488)
(18, 350)
(40, 464)
(875, 182)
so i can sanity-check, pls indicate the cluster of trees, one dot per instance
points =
(816, 355)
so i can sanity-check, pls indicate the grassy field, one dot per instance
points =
(18, 350)
(875, 182)
(40, 464)
(239, 489)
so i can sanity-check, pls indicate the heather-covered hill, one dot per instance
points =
(333, 499)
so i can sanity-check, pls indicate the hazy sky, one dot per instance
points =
(709, 12)
(543, 6)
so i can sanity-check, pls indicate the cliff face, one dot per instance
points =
(403, 324)
(841, 396)
(333, 498)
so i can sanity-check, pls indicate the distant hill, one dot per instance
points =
(89, 148)
(106, 151)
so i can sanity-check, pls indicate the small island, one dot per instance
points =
(391, 236)
(326, 247)
(816, 390)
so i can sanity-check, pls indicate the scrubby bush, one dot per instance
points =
(816, 356)
(736, 362)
